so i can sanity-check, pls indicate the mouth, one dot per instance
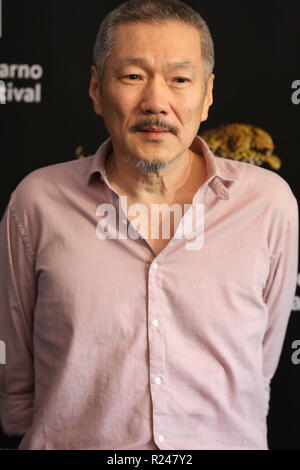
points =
(154, 131)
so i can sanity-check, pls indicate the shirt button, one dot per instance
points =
(157, 380)
(161, 438)
(154, 265)
(155, 322)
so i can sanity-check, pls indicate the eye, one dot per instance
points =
(182, 78)
(131, 75)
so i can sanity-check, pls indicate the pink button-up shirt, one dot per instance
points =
(111, 347)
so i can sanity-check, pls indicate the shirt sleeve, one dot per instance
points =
(17, 300)
(280, 289)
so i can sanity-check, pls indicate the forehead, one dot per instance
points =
(167, 41)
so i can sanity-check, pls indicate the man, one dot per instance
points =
(119, 338)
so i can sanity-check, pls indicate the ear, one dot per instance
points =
(208, 99)
(94, 91)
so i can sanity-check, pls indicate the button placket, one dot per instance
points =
(157, 354)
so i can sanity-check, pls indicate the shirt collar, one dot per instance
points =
(220, 171)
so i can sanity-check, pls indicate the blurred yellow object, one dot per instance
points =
(243, 142)
(79, 152)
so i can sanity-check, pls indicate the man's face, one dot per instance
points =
(154, 76)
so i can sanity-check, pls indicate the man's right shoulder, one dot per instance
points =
(47, 180)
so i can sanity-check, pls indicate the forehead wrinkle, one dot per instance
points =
(170, 65)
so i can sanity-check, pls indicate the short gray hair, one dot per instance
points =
(154, 12)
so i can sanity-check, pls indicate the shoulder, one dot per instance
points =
(263, 185)
(46, 182)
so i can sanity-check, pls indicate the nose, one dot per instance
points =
(154, 99)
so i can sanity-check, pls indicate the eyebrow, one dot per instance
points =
(187, 64)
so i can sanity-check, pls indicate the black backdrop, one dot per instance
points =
(257, 67)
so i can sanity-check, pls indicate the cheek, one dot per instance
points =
(120, 106)
(192, 114)
(114, 109)
(190, 109)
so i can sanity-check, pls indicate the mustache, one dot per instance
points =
(157, 122)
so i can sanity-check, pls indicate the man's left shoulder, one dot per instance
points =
(261, 181)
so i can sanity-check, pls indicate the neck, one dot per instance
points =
(184, 174)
